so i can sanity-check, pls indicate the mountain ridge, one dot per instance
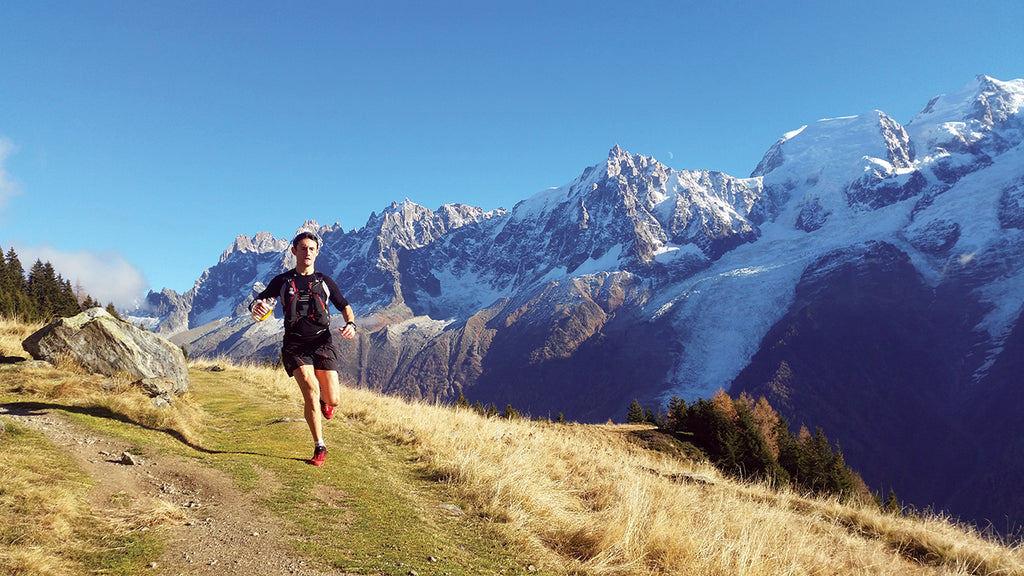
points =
(656, 226)
(636, 280)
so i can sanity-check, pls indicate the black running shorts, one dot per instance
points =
(321, 354)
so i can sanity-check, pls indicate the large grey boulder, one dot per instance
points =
(103, 344)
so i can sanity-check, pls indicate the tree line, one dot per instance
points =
(749, 440)
(39, 296)
(509, 413)
(746, 440)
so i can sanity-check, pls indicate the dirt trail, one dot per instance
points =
(224, 532)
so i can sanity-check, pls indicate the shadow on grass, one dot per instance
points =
(40, 408)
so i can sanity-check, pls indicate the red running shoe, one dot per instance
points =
(327, 410)
(319, 456)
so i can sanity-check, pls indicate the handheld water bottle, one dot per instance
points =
(270, 303)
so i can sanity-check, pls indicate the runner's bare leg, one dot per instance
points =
(329, 388)
(310, 387)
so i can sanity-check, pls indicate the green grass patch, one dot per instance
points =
(372, 509)
(124, 554)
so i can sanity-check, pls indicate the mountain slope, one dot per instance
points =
(407, 487)
(892, 344)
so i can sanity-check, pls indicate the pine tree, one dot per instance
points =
(767, 424)
(819, 453)
(789, 450)
(67, 302)
(841, 479)
(7, 289)
(821, 470)
(42, 289)
(676, 414)
(754, 457)
(635, 414)
(15, 269)
(18, 304)
(713, 432)
(724, 404)
(39, 289)
(51, 295)
(649, 417)
(892, 504)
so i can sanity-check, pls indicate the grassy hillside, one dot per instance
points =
(434, 490)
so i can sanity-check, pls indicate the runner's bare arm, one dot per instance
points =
(349, 331)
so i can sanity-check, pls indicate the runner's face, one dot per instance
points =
(305, 252)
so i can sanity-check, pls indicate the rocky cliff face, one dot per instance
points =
(864, 323)
(867, 278)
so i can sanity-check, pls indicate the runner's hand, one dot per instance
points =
(259, 308)
(348, 332)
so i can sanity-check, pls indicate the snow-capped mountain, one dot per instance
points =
(866, 278)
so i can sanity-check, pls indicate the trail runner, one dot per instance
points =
(308, 349)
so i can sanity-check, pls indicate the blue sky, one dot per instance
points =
(138, 139)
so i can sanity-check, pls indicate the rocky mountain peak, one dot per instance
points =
(998, 101)
(626, 165)
(982, 118)
(984, 100)
(260, 243)
(408, 225)
(841, 165)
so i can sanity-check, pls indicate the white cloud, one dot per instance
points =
(106, 276)
(8, 187)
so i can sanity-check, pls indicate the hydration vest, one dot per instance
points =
(305, 299)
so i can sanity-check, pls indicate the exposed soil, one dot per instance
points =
(222, 530)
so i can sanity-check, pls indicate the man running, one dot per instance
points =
(308, 350)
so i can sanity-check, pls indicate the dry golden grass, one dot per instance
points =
(580, 499)
(40, 514)
(588, 500)
(48, 525)
(13, 333)
(74, 386)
